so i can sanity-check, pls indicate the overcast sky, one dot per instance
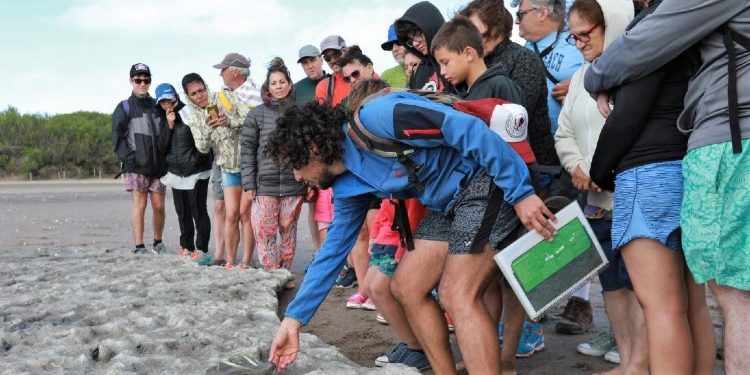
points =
(69, 55)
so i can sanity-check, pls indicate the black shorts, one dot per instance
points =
(462, 226)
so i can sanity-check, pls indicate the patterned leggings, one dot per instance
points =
(272, 215)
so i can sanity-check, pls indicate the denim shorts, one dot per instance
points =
(231, 179)
(615, 276)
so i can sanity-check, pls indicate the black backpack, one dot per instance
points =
(730, 37)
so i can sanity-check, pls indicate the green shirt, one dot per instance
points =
(395, 77)
(304, 89)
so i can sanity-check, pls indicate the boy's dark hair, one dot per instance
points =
(353, 53)
(590, 11)
(301, 127)
(404, 29)
(191, 78)
(456, 35)
(363, 89)
(494, 16)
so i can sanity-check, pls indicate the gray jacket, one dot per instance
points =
(260, 172)
(660, 37)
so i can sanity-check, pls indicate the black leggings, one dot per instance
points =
(191, 206)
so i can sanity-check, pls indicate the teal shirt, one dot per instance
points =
(395, 77)
(304, 89)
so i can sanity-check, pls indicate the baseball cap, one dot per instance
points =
(308, 51)
(509, 120)
(392, 38)
(139, 68)
(165, 91)
(233, 59)
(332, 42)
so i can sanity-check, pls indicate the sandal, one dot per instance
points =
(244, 265)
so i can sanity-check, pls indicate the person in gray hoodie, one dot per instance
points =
(276, 194)
(715, 223)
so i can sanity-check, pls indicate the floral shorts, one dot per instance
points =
(716, 214)
(143, 184)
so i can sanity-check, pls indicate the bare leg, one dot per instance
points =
(461, 293)
(313, 226)
(219, 218)
(140, 199)
(232, 196)
(624, 313)
(248, 237)
(417, 274)
(379, 289)
(513, 316)
(157, 205)
(735, 305)
(360, 256)
(657, 275)
(704, 340)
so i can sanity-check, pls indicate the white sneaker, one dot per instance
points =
(612, 356)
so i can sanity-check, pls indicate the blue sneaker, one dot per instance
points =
(393, 356)
(532, 339)
(416, 359)
(346, 280)
(204, 259)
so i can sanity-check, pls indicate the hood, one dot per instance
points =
(211, 100)
(427, 17)
(493, 71)
(180, 105)
(617, 16)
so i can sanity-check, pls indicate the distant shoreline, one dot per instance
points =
(10, 181)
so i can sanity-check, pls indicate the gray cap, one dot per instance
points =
(233, 59)
(332, 42)
(308, 51)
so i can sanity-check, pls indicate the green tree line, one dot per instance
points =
(74, 145)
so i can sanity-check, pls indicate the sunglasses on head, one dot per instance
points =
(355, 74)
(139, 81)
(330, 55)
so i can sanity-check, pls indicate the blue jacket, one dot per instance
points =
(452, 148)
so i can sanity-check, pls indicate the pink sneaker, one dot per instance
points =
(184, 252)
(369, 305)
(355, 301)
(381, 319)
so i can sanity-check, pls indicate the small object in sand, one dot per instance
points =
(290, 285)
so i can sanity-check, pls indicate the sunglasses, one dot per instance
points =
(145, 81)
(355, 74)
(330, 55)
(582, 37)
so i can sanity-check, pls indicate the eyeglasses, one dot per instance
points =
(355, 74)
(522, 13)
(331, 54)
(145, 81)
(582, 37)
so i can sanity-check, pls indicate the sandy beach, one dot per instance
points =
(75, 300)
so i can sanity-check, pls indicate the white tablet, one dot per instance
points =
(542, 273)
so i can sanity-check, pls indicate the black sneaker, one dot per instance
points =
(577, 318)
(140, 250)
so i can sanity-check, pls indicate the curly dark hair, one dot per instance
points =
(301, 128)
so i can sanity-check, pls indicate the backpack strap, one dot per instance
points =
(329, 90)
(402, 225)
(734, 117)
(546, 52)
(126, 108)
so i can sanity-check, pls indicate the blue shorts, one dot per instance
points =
(647, 204)
(231, 179)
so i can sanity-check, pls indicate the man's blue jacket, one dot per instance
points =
(452, 147)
